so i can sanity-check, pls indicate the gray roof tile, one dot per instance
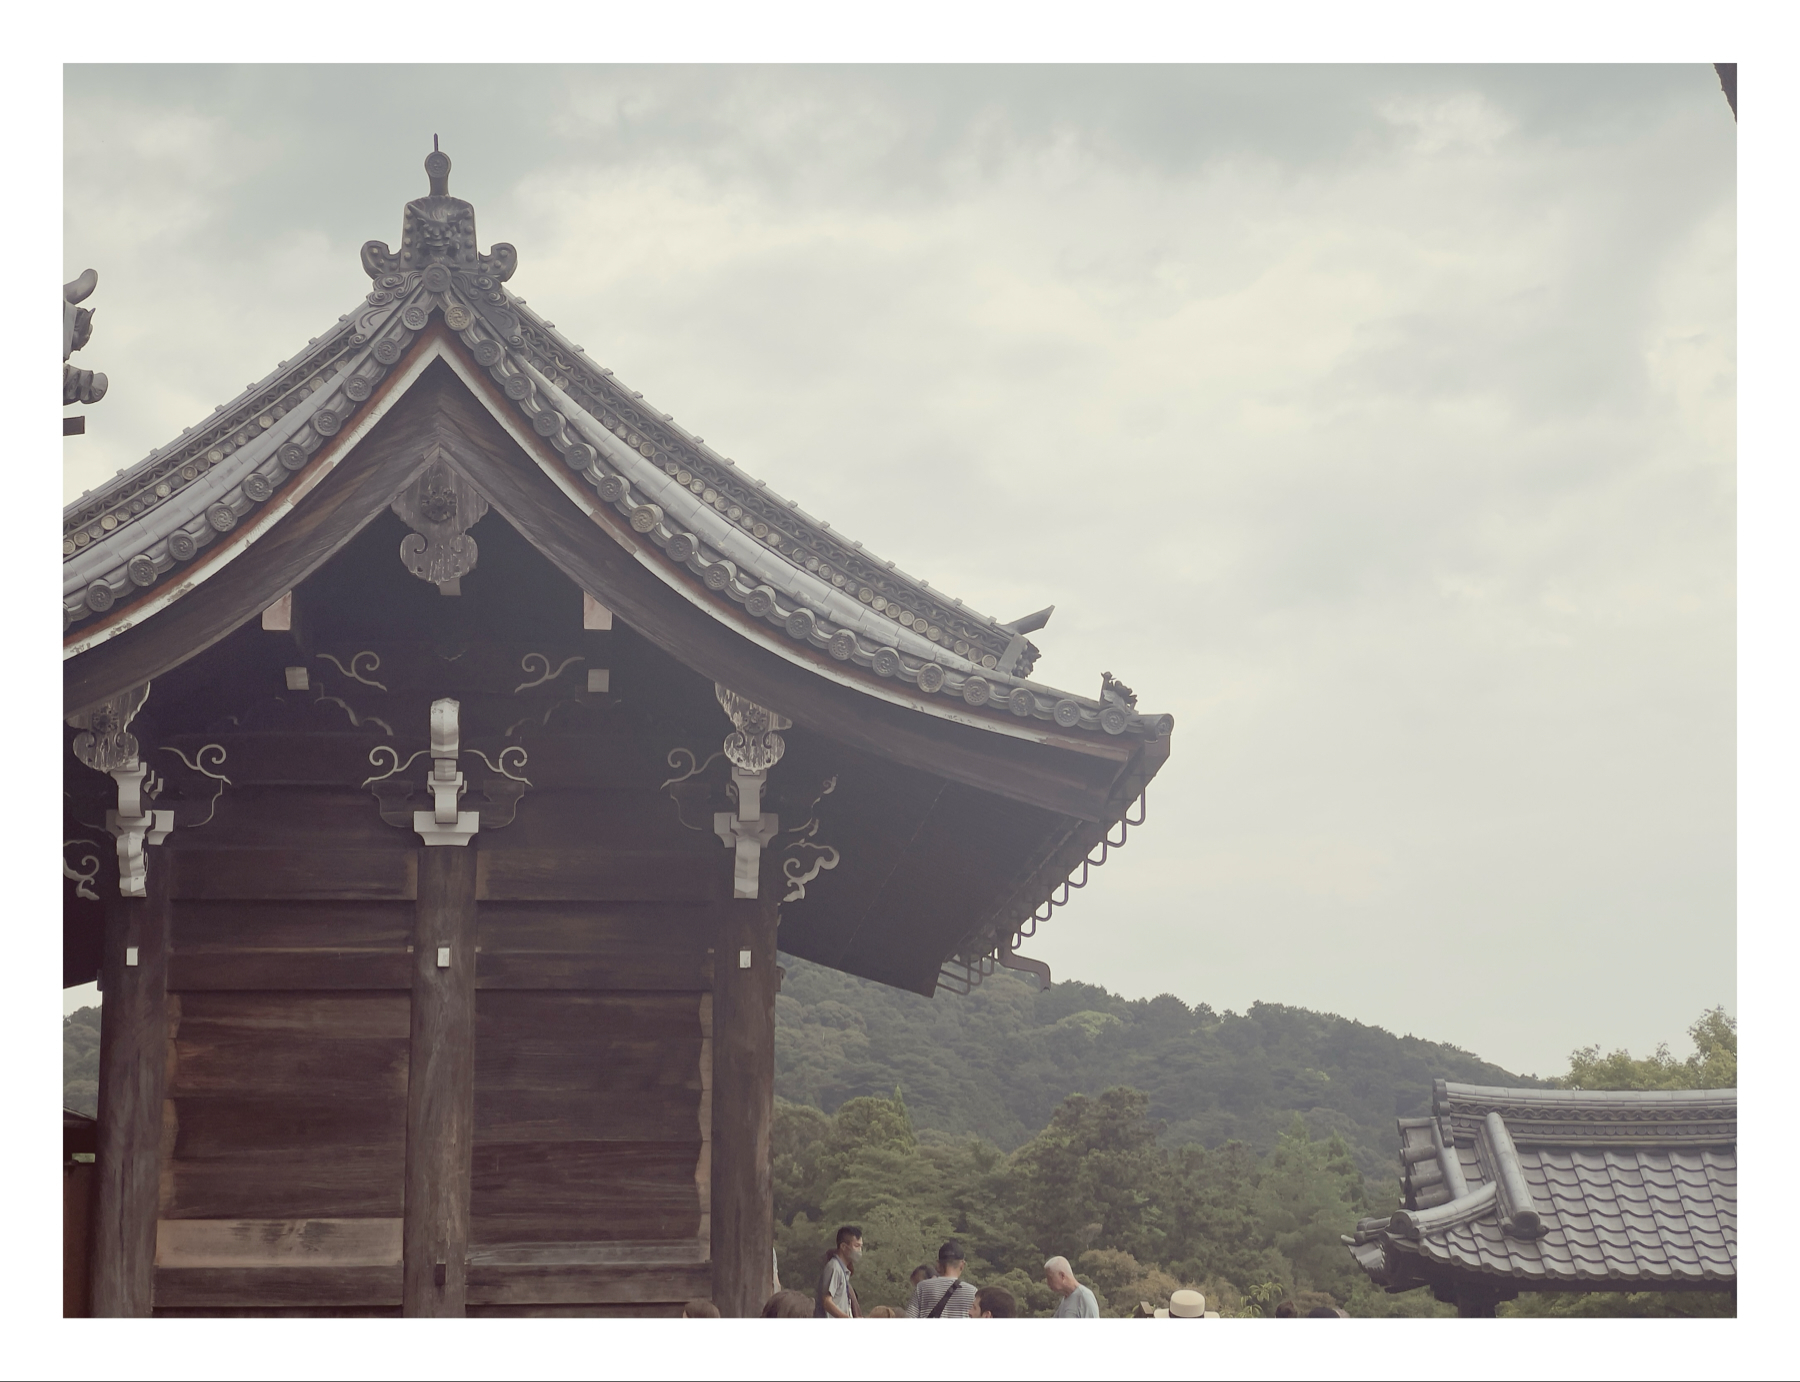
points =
(1629, 1187)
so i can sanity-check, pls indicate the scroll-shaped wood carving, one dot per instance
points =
(755, 744)
(106, 742)
(440, 507)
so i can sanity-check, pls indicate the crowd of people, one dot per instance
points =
(938, 1292)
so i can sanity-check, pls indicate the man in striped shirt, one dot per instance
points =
(945, 1296)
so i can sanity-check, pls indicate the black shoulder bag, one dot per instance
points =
(943, 1300)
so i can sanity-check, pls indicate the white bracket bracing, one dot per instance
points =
(134, 827)
(746, 830)
(444, 824)
(107, 745)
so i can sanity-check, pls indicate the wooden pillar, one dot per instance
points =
(743, 1091)
(440, 1091)
(134, 972)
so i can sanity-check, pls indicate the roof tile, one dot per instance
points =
(1611, 1213)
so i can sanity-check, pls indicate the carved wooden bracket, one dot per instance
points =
(746, 835)
(495, 805)
(134, 827)
(753, 747)
(445, 823)
(107, 742)
(439, 817)
(107, 745)
(440, 507)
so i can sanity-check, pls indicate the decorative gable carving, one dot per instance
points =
(440, 507)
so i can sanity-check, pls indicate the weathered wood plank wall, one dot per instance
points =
(536, 1117)
(592, 1121)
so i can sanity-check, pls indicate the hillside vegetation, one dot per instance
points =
(996, 1063)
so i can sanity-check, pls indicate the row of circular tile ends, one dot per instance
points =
(719, 576)
(801, 624)
(142, 570)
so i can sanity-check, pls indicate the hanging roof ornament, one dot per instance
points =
(79, 385)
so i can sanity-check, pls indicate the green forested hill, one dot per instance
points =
(996, 1063)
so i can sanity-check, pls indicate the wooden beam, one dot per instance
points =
(743, 1091)
(133, 1055)
(440, 1093)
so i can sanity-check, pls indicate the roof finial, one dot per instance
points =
(437, 167)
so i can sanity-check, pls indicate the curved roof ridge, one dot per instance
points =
(226, 430)
(1476, 1093)
(736, 538)
(1419, 1223)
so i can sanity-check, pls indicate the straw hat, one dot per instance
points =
(1184, 1305)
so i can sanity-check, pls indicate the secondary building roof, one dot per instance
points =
(1533, 1189)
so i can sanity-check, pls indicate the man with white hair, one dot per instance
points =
(1077, 1301)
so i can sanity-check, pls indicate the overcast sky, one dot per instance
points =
(1378, 423)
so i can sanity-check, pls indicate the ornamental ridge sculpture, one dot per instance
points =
(79, 385)
(83, 386)
(438, 233)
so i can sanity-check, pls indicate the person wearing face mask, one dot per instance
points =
(836, 1298)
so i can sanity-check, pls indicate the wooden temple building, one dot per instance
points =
(453, 739)
(1510, 1190)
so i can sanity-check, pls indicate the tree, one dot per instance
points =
(1712, 1066)
(1214, 1232)
(81, 1060)
(1122, 1284)
(1096, 1176)
(1304, 1202)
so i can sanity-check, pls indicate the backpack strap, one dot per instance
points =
(944, 1299)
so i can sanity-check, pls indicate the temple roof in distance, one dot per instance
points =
(140, 542)
(1533, 1189)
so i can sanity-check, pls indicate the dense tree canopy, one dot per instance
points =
(997, 1062)
(1140, 1219)
(81, 1060)
(1712, 1066)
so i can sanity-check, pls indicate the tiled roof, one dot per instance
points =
(1552, 1189)
(727, 537)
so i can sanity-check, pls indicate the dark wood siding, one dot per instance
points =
(284, 1120)
(591, 1183)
